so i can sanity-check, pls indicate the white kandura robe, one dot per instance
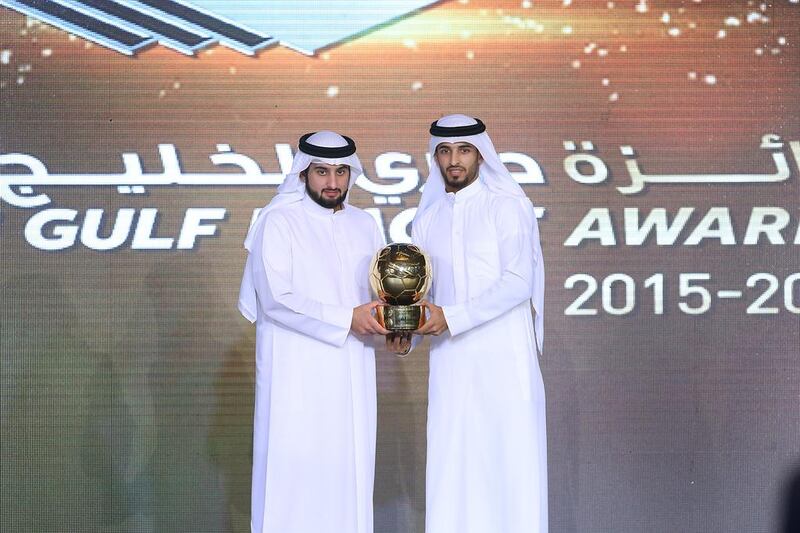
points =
(487, 445)
(315, 408)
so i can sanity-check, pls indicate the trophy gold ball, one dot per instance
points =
(400, 276)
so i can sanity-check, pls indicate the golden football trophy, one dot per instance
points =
(400, 274)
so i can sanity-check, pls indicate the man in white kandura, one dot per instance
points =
(487, 455)
(306, 287)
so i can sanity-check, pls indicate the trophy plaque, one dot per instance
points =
(400, 274)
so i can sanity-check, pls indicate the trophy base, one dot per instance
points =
(401, 317)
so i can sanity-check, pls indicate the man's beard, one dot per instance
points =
(463, 181)
(325, 202)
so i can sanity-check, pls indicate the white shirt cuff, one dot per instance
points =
(457, 319)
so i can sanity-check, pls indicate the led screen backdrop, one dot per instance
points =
(660, 140)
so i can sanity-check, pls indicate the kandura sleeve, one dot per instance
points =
(280, 302)
(513, 233)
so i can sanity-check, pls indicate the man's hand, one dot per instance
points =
(364, 322)
(436, 323)
(398, 343)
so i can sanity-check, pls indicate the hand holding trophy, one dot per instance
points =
(400, 275)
